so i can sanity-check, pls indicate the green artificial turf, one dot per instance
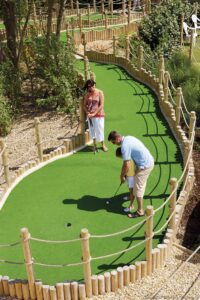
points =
(75, 190)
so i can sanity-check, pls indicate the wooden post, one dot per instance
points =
(107, 277)
(77, 8)
(106, 20)
(38, 139)
(149, 6)
(172, 203)
(86, 66)
(178, 105)
(196, 6)
(5, 162)
(181, 29)
(82, 117)
(111, 7)
(86, 261)
(123, 7)
(88, 13)
(28, 261)
(72, 4)
(129, 14)
(166, 86)
(149, 236)
(102, 6)
(84, 43)
(127, 48)
(192, 123)
(161, 69)
(191, 45)
(140, 57)
(114, 45)
(94, 6)
(80, 23)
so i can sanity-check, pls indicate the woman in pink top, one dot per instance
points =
(94, 109)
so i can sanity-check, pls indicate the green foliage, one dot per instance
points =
(161, 29)
(5, 114)
(187, 76)
(11, 82)
(54, 69)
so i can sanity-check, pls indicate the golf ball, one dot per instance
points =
(107, 202)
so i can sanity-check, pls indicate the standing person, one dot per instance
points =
(134, 149)
(130, 180)
(94, 109)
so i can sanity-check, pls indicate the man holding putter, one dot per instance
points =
(134, 149)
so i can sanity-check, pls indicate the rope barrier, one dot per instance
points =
(174, 272)
(59, 265)
(186, 123)
(25, 154)
(56, 242)
(2, 150)
(122, 251)
(1, 172)
(120, 232)
(170, 80)
(179, 180)
(166, 223)
(183, 101)
(10, 245)
(11, 262)
(14, 142)
(170, 94)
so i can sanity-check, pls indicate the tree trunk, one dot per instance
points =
(9, 19)
(60, 17)
(49, 21)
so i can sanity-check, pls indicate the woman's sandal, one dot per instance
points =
(135, 215)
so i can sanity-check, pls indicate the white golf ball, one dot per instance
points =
(107, 202)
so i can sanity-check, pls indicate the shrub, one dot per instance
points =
(5, 117)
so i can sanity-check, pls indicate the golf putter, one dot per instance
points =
(117, 190)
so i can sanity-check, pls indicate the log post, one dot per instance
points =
(94, 6)
(196, 7)
(191, 44)
(86, 67)
(129, 14)
(166, 86)
(38, 139)
(172, 203)
(161, 69)
(88, 14)
(149, 237)
(28, 261)
(106, 20)
(86, 261)
(178, 105)
(5, 162)
(123, 7)
(127, 48)
(77, 8)
(72, 4)
(140, 57)
(114, 45)
(80, 23)
(102, 6)
(181, 29)
(84, 44)
(192, 124)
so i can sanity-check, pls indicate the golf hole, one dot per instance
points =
(68, 225)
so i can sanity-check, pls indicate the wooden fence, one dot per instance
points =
(154, 258)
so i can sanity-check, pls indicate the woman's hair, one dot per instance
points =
(89, 83)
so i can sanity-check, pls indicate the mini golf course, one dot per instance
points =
(60, 199)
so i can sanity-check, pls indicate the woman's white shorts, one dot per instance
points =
(96, 128)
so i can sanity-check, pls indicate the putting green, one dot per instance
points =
(75, 190)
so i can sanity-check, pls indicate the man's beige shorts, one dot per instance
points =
(141, 177)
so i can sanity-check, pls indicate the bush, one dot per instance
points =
(187, 76)
(161, 29)
(5, 117)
